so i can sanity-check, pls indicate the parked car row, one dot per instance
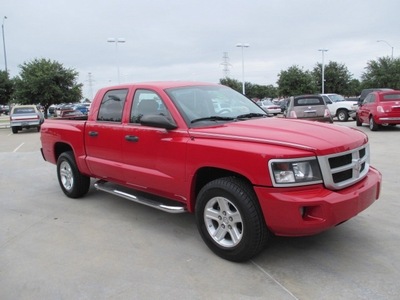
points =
(57, 110)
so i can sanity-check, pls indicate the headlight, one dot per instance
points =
(295, 172)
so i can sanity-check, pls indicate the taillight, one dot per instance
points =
(327, 113)
(380, 109)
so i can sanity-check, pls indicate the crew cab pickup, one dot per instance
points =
(208, 150)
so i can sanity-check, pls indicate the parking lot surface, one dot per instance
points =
(104, 247)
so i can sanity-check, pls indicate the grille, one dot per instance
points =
(341, 170)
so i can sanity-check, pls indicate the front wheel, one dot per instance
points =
(72, 182)
(342, 115)
(229, 219)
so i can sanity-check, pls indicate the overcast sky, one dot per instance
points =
(187, 39)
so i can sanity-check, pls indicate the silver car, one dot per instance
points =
(25, 116)
(308, 107)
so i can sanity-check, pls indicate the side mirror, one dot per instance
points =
(158, 121)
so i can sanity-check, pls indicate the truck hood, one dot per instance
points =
(319, 138)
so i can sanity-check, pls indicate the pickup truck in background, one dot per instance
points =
(205, 149)
(339, 107)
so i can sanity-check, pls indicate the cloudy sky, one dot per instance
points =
(187, 39)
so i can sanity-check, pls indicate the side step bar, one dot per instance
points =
(140, 197)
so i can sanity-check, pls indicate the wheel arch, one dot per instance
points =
(206, 174)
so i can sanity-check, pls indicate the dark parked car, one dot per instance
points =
(381, 108)
(308, 107)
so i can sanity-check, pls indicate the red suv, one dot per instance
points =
(380, 108)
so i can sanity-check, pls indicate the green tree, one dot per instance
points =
(252, 90)
(382, 73)
(296, 81)
(232, 83)
(337, 78)
(46, 82)
(6, 88)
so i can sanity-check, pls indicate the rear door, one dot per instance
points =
(104, 136)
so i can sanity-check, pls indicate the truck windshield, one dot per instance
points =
(205, 104)
(336, 97)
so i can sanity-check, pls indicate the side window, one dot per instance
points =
(146, 102)
(112, 105)
(367, 99)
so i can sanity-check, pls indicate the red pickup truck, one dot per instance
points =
(208, 150)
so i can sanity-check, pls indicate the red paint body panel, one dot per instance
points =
(167, 162)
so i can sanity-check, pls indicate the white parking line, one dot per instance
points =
(16, 149)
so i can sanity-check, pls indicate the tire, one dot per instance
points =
(372, 125)
(358, 121)
(229, 219)
(38, 129)
(14, 130)
(72, 182)
(342, 115)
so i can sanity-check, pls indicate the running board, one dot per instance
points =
(139, 197)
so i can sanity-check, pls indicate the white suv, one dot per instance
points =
(339, 107)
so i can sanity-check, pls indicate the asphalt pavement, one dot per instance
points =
(104, 247)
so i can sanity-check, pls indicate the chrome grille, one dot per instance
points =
(341, 170)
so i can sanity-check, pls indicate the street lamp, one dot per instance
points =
(4, 44)
(116, 41)
(323, 69)
(241, 45)
(386, 44)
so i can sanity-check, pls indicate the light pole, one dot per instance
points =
(323, 69)
(116, 41)
(4, 44)
(241, 45)
(386, 44)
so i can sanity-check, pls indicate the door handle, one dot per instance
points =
(131, 138)
(93, 133)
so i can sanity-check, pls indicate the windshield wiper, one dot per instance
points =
(212, 118)
(251, 115)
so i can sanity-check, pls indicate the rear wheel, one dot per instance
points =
(72, 182)
(14, 129)
(342, 115)
(358, 121)
(229, 219)
(372, 124)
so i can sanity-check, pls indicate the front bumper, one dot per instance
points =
(307, 211)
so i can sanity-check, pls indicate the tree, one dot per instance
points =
(46, 82)
(382, 73)
(296, 81)
(252, 90)
(6, 88)
(337, 78)
(232, 83)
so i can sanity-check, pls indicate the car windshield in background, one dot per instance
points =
(24, 110)
(336, 97)
(211, 104)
